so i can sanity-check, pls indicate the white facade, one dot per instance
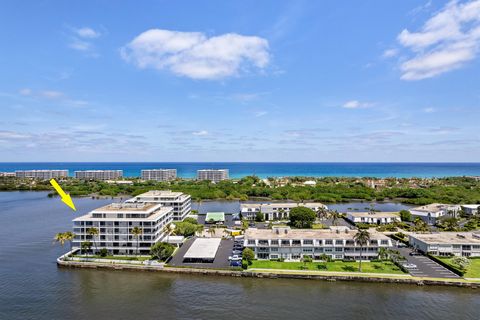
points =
(471, 209)
(465, 244)
(115, 223)
(431, 212)
(293, 244)
(99, 174)
(373, 217)
(159, 174)
(214, 175)
(7, 174)
(41, 174)
(180, 202)
(275, 211)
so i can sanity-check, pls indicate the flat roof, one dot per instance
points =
(471, 206)
(448, 237)
(298, 234)
(433, 207)
(160, 193)
(216, 216)
(152, 217)
(203, 248)
(374, 214)
(280, 204)
(128, 207)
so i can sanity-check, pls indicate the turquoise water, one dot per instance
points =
(268, 169)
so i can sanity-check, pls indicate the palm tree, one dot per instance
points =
(334, 215)
(322, 213)
(166, 229)
(361, 237)
(60, 238)
(93, 232)
(136, 232)
(69, 236)
(86, 246)
(211, 231)
(383, 253)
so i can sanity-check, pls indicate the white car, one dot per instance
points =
(235, 257)
(409, 266)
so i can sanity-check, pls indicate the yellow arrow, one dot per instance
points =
(65, 196)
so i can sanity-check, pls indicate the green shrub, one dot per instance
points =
(103, 252)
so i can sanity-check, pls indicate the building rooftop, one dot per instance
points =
(471, 206)
(448, 237)
(160, 193)
(128, 207)
(215, 216)
(203, 248)
(433, 207)
(280, 204)
(153, 212)
(374, 214)
(287, 233)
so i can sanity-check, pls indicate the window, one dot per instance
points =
(252, 242)
(274, 242)
(339, 242)
(286, 242)
(307, 241)
(274, 249)
(328, 241)
(384, 242)
(296, 242)
(307, 249)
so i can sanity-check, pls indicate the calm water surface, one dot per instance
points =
(32, 287)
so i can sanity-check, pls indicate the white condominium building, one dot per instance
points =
(159, 174)
(180, 202)
(99, 174)
(471, 209)
(41, 174)
(115, 223)
(7, 174)
(275, 211)
(465, 244)
(293, 244)
(431, 212)
(214, 175)
(373, 217)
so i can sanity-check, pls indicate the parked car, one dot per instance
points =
(409, 266)
(237, 252)
(415, 253)
(235, 257)
(236, 263)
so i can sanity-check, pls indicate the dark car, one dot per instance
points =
(235, 263)
(415, 253)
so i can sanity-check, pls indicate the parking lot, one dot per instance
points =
(220, 261)
(229, 219)
(426, 267)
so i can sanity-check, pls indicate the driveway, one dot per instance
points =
(426, 267)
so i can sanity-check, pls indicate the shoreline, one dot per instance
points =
(277, 274)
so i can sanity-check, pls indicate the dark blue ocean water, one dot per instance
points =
(267, 169)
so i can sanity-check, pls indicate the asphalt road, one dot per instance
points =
(426, 267)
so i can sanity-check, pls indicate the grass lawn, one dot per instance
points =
(338, 266)
(473, 270)
(139, 258)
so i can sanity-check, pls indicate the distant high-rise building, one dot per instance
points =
(159, 174)
(99, 174)
(41, 174)
(214, 175)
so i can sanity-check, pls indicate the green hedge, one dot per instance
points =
(395, 237)
(455, 270)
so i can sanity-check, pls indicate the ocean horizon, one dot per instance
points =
(270, 169)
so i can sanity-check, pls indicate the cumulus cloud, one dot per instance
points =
(195, 55)
(390, 53)
(355, 104)
(82, 39)
(448, 40)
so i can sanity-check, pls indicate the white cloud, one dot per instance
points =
(390, 53)
(200, 133)
(195, 55)
(355, 104)
(429, 110)
(448, 40)
(80, 45)
(88, 33)
(260, 113)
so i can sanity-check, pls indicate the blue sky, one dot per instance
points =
(240, 81)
